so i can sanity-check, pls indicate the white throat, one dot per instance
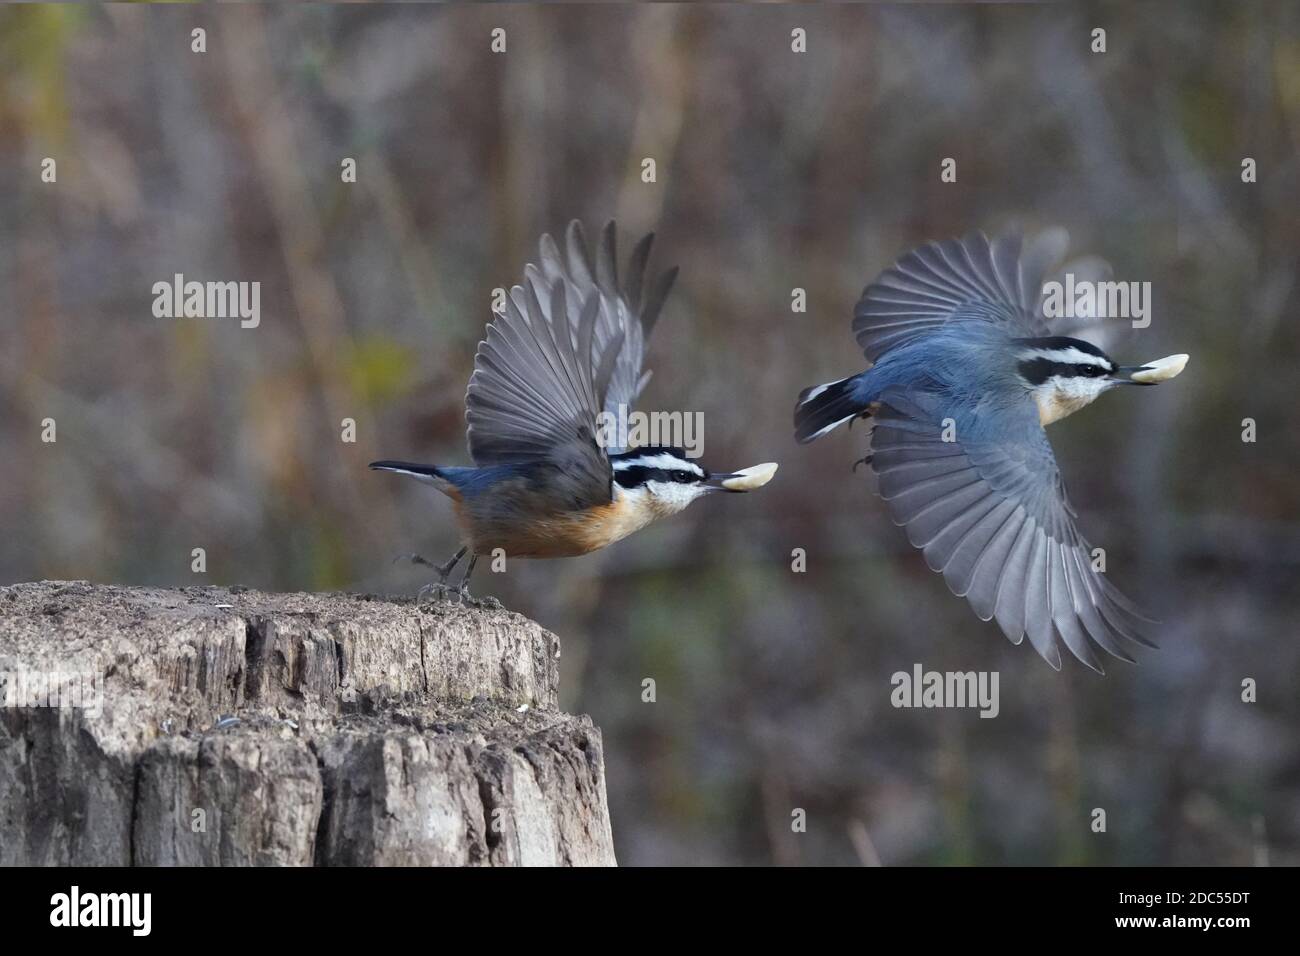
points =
(658, 499)
(1060, 396)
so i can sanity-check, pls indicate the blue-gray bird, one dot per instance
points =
(966, 372)
(569, 345)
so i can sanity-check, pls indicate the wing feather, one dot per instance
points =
(1009, 609)
(982, 592)
(569, 345)
(1038, 607)
(993, 518)
(963, 559)
(971, 279)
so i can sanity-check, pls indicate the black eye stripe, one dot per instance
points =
(637, 475)
(1039, 370)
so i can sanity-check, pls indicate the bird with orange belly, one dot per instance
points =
(569, 346)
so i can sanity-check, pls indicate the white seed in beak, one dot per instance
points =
(1161, 369)
(747, 479)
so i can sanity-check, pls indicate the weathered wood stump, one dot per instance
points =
(220, 726)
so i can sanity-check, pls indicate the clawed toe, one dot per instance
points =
(437, 591)
(441, 590)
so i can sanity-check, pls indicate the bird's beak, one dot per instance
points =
(1124, 375)
(747, 479)
(1152, 373)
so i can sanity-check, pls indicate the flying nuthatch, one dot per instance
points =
(568, 346)
(967, 370)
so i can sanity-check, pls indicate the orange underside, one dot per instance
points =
(551, 536)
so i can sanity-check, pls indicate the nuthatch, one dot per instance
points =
(967, 370)
(568, 346)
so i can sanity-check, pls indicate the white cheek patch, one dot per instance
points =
(1076, 388)
(1161, 369)
(673, 496)
(755, 476)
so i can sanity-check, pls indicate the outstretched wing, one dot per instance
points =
(569, 345)
(534, 394)
(971, 279)
(993, 518)
(628, 310)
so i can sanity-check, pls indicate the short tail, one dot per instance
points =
(823, 407)
(429, 474)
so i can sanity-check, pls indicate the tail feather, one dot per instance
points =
(429, 474)
(823, 407)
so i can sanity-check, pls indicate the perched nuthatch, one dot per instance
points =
(967, 370)
(569, 345)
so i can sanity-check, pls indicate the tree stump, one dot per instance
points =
(224, 726)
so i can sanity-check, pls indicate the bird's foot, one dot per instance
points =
(461, 594)
(437, 591)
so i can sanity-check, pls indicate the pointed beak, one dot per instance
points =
(747, 479)
(1152, 373)
(1124, 375)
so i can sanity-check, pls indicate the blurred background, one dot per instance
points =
(775, 170)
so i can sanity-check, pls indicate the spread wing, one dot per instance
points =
(568, 345)
(973, 279)
(534, 394)
(993, 518)
(628, 310)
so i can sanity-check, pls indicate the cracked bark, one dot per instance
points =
(366, 731)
